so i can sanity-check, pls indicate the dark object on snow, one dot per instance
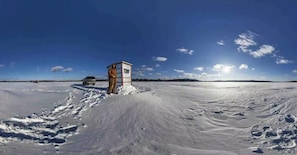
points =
(89, 80)
(258, 151)
(112, 78)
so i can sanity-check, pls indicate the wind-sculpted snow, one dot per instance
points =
(277, 131)
(45, 128)
(156, 118)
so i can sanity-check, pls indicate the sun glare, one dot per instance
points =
(226, 69)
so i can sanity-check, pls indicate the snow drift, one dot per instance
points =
(149, 118)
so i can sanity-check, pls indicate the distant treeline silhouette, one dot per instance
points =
(177, 80)
(146, 80)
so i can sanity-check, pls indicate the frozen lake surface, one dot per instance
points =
(202, 118)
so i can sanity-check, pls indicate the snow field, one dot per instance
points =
(151, 118)
(45, 128)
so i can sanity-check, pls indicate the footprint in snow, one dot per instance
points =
(280, 137)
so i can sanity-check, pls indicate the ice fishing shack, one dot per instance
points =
(124, 73)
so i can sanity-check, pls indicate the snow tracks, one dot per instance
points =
(51, 127)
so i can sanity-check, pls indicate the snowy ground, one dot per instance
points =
(149, 118)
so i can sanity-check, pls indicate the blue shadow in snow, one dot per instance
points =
(86, 87)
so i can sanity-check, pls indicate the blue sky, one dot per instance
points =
(206, 40)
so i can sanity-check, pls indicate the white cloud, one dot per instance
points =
(199, 68)
(206, 75)
(191, 52)
(264, 50)
(159, 74)
(245, 40)
(145, 68)
(68, 70)
(190, 75)
(179, 71)
(159, 58)
(295, 71)
(222, 68)
(199, 76)
(185, 51)
(1, 65)
(218, 67)
(243, 66)
(221, 43)
(281, 60)
(253, 69)
(157, 65)
(57, 68)
(182, 50)
(148, 69)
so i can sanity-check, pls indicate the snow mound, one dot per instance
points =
(127, 90)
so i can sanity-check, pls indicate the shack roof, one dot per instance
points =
(122, 62)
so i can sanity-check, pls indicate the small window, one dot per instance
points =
(126, 71)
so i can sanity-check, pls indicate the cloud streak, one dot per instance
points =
(264, 50)
(148, 69)
(185, 51)
(199, 68)
(244, 41)
(199, 76)
(221, 43)
(159, 58)
(61, 68)
(243, 66)
(68, 70)
(57, 68)
(179, 71)
(145, 68)
(282, 60)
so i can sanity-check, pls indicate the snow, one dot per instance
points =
(202, 118)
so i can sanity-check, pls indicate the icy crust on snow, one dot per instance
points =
(45, 128)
